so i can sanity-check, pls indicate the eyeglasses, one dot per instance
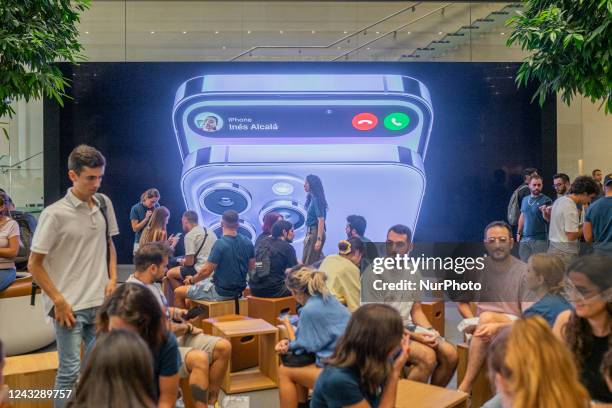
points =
(501, 240)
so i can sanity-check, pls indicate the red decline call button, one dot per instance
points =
(365, 121)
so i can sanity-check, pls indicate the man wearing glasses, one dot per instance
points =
(502, 300)
(432, 356)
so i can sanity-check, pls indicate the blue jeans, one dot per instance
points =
(7, 276)
(69, 349)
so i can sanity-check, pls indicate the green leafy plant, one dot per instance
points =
(33, 35)
(571, 48)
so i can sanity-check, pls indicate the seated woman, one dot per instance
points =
(275, 254)
(119, 373)
(367, 363)
(9, 244)
(133, 307)
(322, 321)
(587, 330)
(155, 231)
(545, 278)
(530, 367)
(342, 269)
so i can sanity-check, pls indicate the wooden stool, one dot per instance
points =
(270, 309)
(415, 394)
(250, 380)
(435, 314)
(481, 390)
(245, 350)
(222, 308)
(31, 371)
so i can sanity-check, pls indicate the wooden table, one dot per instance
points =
(412, 394)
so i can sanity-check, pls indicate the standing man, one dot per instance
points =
(565, 228)
(532, 227)
(69, 260)
(198, 243)
(598, 221)
(522, 191)
(355, 227)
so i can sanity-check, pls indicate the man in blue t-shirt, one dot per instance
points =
(231, 257)
(532, 227)
(598, 221)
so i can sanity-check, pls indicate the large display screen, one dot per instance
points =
(436, 146)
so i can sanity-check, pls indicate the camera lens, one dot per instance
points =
(220, 197)
(245, 229)
(290, 210)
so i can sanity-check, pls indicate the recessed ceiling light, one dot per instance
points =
(502, 33)
(249, 32)
(368, 48)
(152, 32)
(338, 47)
(281, 32)
(224, 47)
(184, 32)
(408, 32)
(313, 31)
(86, 32)
(216, 32)
(346, 32)
(440, 33)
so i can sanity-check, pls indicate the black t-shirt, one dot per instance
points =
(282, 256)
(591, 375)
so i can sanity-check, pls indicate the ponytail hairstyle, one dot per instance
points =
(552, 271)
(349, 246)
(150, 193)
(307, 280)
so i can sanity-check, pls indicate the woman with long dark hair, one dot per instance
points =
(141, 213)
(366, 365)
(134, 307)
(587, 330)
(316, 212)
(119, 373)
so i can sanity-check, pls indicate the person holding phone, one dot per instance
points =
(73, 260)
(141, 213)
(366, 366)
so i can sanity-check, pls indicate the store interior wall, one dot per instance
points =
(220, 31)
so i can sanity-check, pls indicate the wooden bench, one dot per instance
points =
(434, 311)
(412, 394)
(481, 390)
(31, 371)
(266, 376)
(270, 309)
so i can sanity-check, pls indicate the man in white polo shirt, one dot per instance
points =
(69, 260)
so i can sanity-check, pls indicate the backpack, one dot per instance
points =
(514, 206)
(27, 224)
(263, 253)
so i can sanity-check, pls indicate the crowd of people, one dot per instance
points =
(542, 324)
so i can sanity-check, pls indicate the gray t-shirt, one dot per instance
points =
(72, 237)
(564, 218)
(193, 241)
(375, 289)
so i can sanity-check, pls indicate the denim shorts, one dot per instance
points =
(205, 290)
(7, 277)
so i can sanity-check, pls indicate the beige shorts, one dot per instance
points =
(202, 342)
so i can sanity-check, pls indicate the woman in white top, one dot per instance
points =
(9, 244)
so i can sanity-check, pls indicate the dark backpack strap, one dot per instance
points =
(103, 210)
(33, 294)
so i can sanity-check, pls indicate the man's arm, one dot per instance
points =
(465, 310)
(63, 310)
(587, 231)
(519, 229)
(112, 268)
(574, 236)
(204, 272)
